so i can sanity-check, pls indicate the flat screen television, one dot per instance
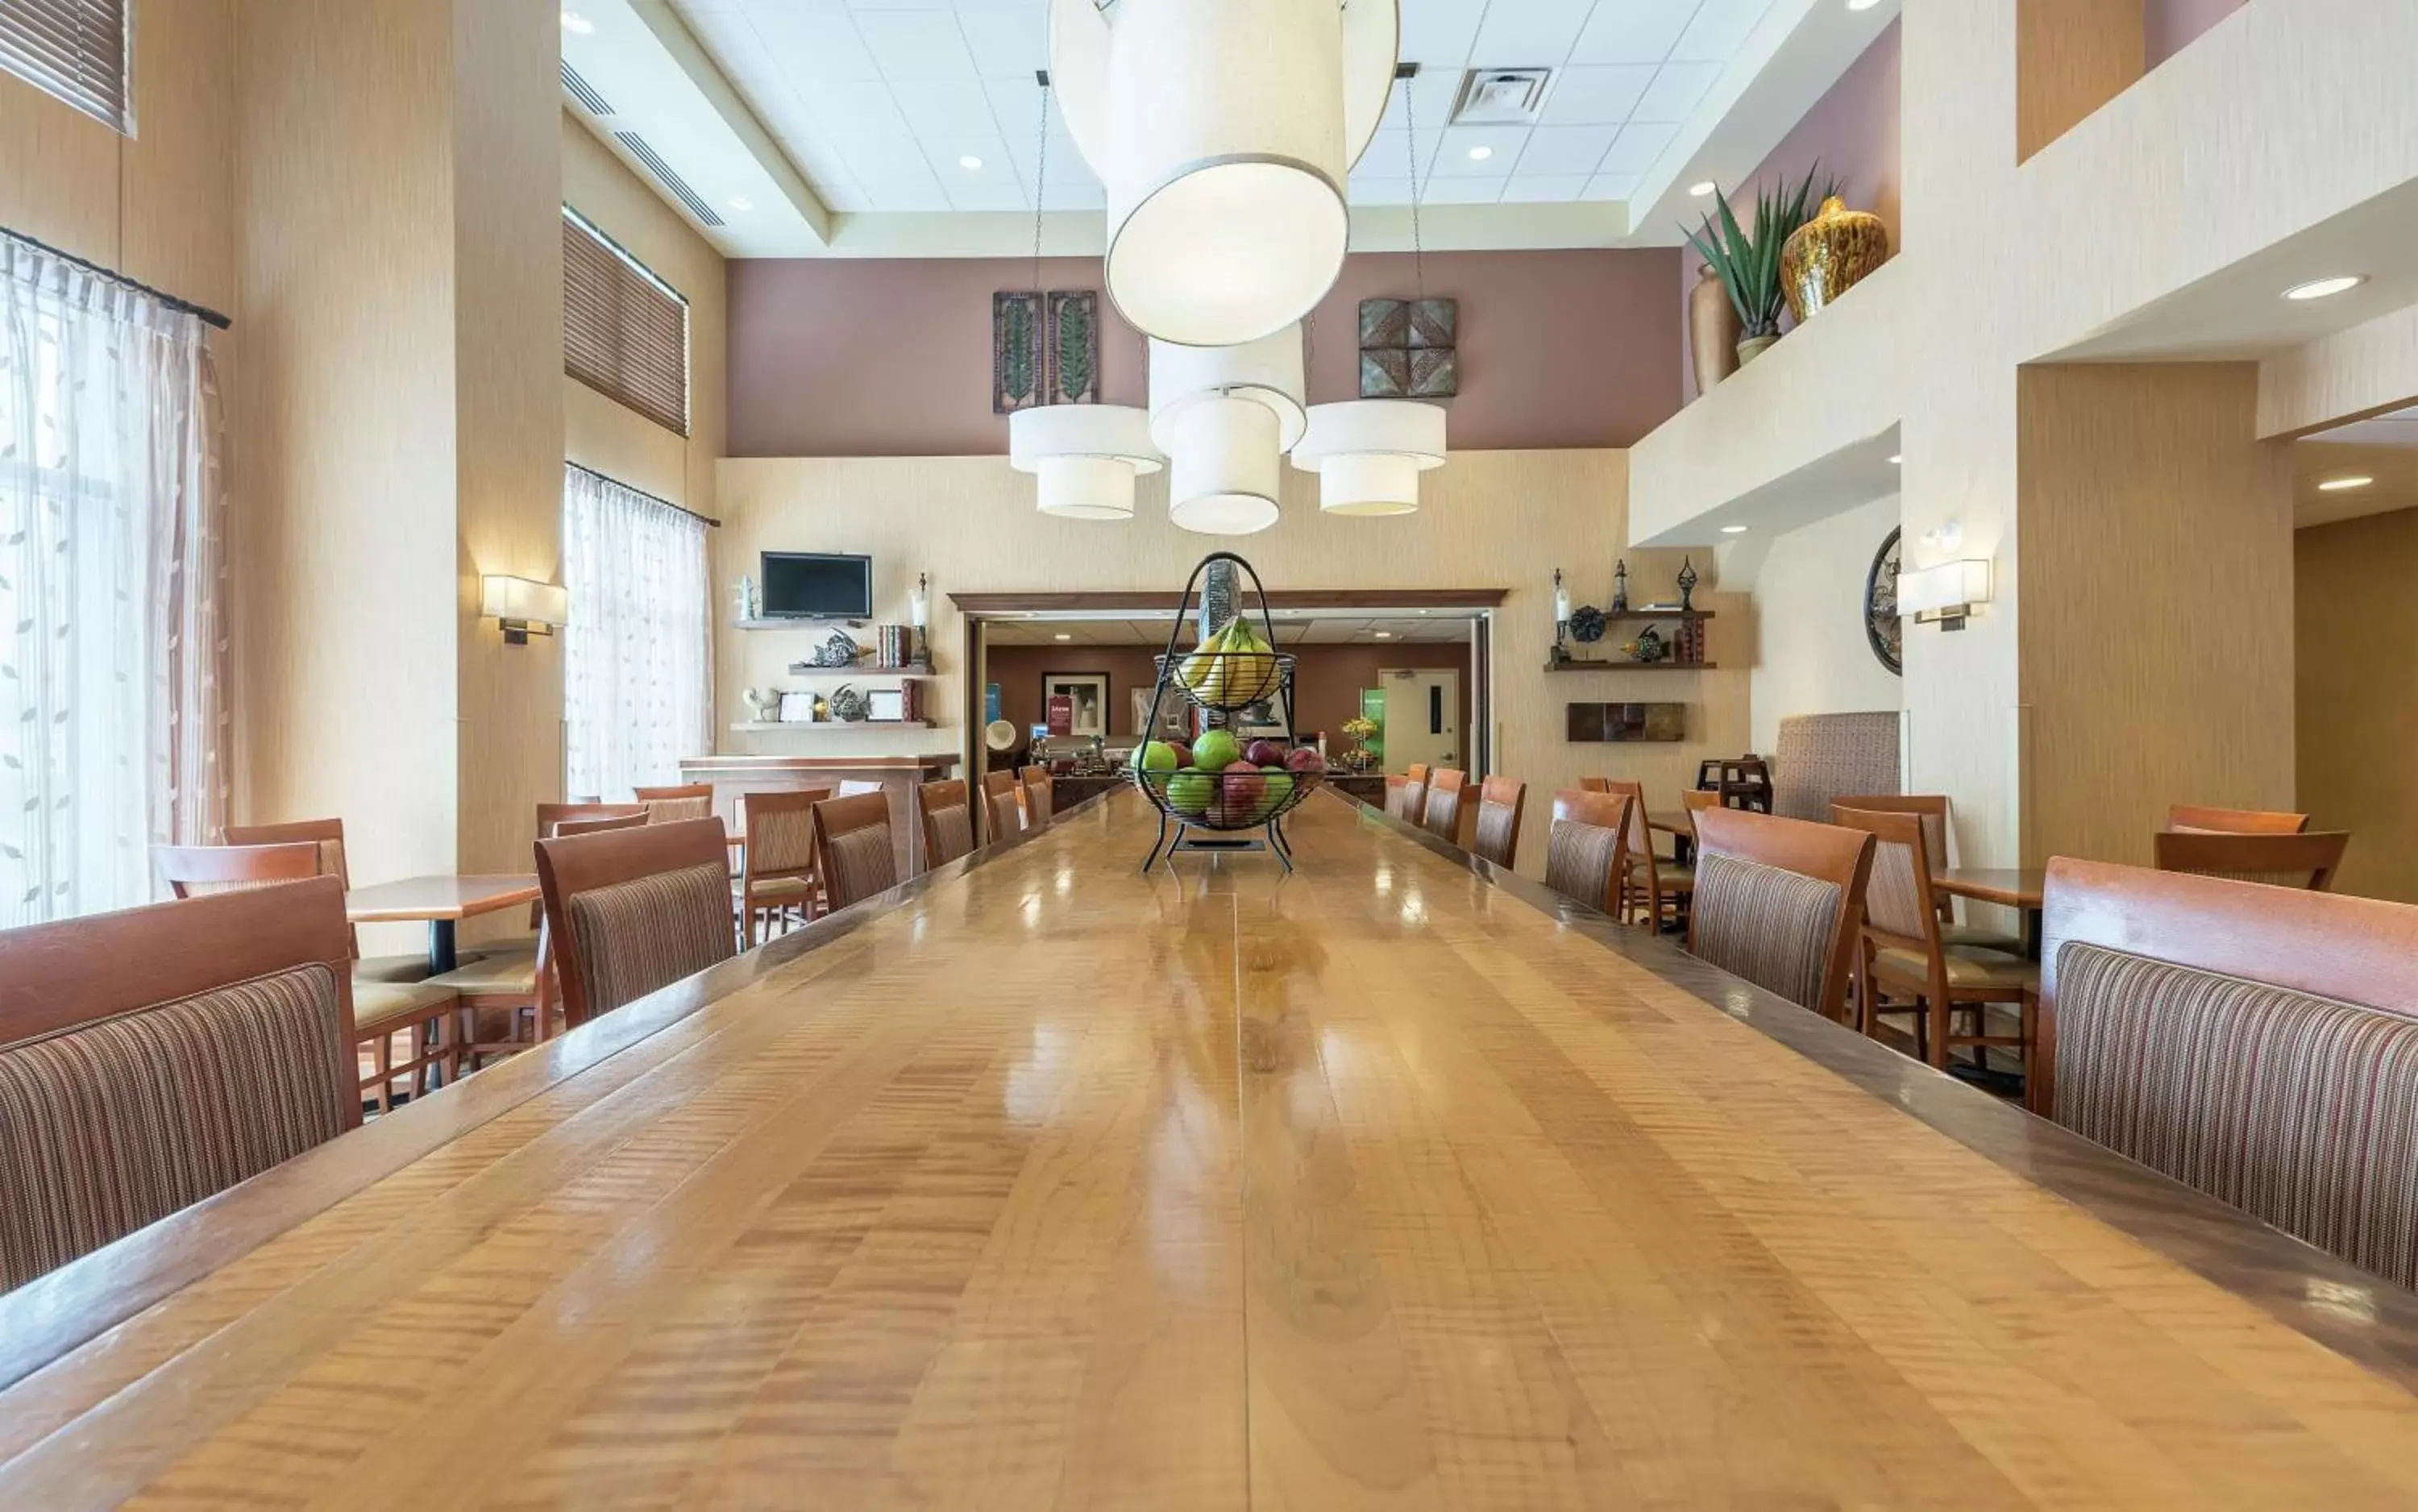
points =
(804, 585)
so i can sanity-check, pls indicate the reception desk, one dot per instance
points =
(733, 776)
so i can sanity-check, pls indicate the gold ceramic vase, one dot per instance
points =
(1829, 256)
(1712, 329)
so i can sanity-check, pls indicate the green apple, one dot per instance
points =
(1189, 790)
(1216, 751)
(1154, 755)
(1279, 784)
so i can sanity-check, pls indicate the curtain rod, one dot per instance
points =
(657, 498)
(207, 316)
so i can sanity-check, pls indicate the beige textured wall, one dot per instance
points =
(2358, 694)
(2156, 637)
(1492, 519)
(1811, 656)
(2367, 369)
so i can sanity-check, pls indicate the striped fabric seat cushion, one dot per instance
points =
(953, 830)
(110, 1126)
(1578, 861)
(862, 863)
(1766, 923)
(1494, 830)
(633, 938)
(2300, 1110)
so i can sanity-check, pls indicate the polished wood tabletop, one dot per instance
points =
(2012, 887)
(417, 898)
(1043, 1183)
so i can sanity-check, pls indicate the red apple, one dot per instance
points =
(1305, 758)
(1265, 753)
(1239, 794)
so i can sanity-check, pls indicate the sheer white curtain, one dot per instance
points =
(113, 654)
(637, 656)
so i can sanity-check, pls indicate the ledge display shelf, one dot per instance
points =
(1607, 664)
(861, 669)
(772, 727)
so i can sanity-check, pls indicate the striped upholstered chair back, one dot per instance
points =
(853, 850)
(1779, 902)
(2198, 818)
(153, 1056)
(671, 805)
(1441, 817)
(1002, 806)
(634, 910)
(1397, 796)
(2256, 1044)
(948, 820)
(2302, 861)
(1501, 802)
(1584, 848)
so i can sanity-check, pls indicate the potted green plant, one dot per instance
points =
(1748, 266)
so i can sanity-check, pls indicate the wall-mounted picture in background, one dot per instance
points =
(1408, 348)
(1073, 347)
(1089, 693)
(1018, 369)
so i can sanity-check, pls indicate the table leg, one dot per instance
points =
(2031, 934)
(440, 947)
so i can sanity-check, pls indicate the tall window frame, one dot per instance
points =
(625, 330)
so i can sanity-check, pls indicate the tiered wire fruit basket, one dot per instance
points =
(1213, 807)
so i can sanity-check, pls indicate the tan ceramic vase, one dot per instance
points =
(1829, 256)
(1712, 329)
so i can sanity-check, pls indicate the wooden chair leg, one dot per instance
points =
(1936, 1012)
(384, 1055)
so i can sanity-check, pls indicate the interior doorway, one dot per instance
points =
(1422, 723)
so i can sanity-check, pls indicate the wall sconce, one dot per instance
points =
(1944, 595)
(526, 608)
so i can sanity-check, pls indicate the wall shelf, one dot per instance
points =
(918, 669)
(825, 625)
(1633, 667)
(758, 727)
(1631, 615)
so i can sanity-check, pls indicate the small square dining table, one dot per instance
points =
(442, 901)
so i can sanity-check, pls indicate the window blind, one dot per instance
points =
(77, 50)
(624, 330)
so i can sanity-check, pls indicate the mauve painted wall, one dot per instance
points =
(849, 358)
(2170, 25)
(1851, 133)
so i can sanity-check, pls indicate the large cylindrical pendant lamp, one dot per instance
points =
(1368, 453)
(1085, 457)
(1226, 469)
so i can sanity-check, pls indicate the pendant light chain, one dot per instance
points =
(1410, 133)
(1040, 180)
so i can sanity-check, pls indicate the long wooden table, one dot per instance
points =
(1042, 1184)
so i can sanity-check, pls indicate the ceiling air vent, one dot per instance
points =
(584, 92)
(662, 170)
(1501, 97)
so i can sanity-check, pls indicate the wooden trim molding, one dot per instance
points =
(1153, 601)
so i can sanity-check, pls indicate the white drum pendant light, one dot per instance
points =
(1224, 131)
(1269, 371)
(1368, 453)
(1227, 469)
(1086, 457)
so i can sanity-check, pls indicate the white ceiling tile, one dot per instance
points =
(861, 117)
(1530, 189)
(1500, 145)
(1389, 154)
(1596, 96)
(1634, 150)
(945, 152)
(1068, 194)
(1463, 191)
(1438, 34)
(1614, 186)
(899, 180)
(1006, 44)
(1565, 149)
(1375, 189)
(1634, 31)
(1518, 33)
(1676, 91)
(985, 191)
(938, 110)
(1720, 28)
(814, 48)
(1431, 95)
(917, 46)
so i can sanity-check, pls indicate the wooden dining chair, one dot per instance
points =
(1398, 797)
(1040, 796)
(1442, 815)
(1938, 833)
(552, 817)
(948, 821)
(1654, 889)
(1903, 955)
(2260, 1045)
(853, 847)
(1002, 806)
(2306, 860)
(631, 911)
(328, 835)
(677, 803)
(152, 1057)
(422, 1012)
(776, 880)
(1501, 802)
(1414, 794)
(2190, 818)
(1779, 902)
(1583, 847)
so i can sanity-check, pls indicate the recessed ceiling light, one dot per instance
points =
(1385, 635)
(970, 162)
(1700, 191)
(1481, 153)
(1733, 529)
(1897, 458)
(577, 24)
(2325, 288)
(2337, 485)
(741, 202)
(1062, 635)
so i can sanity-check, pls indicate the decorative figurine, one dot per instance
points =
(1620, 587)
(1687, 584)
(1561, 617)
(747, 606)
(1586, 624)
(1649, 646)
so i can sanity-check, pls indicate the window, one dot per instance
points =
(81, 51)
(624, 330)
(637, 654)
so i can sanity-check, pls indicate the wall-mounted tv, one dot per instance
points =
(805, 585)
